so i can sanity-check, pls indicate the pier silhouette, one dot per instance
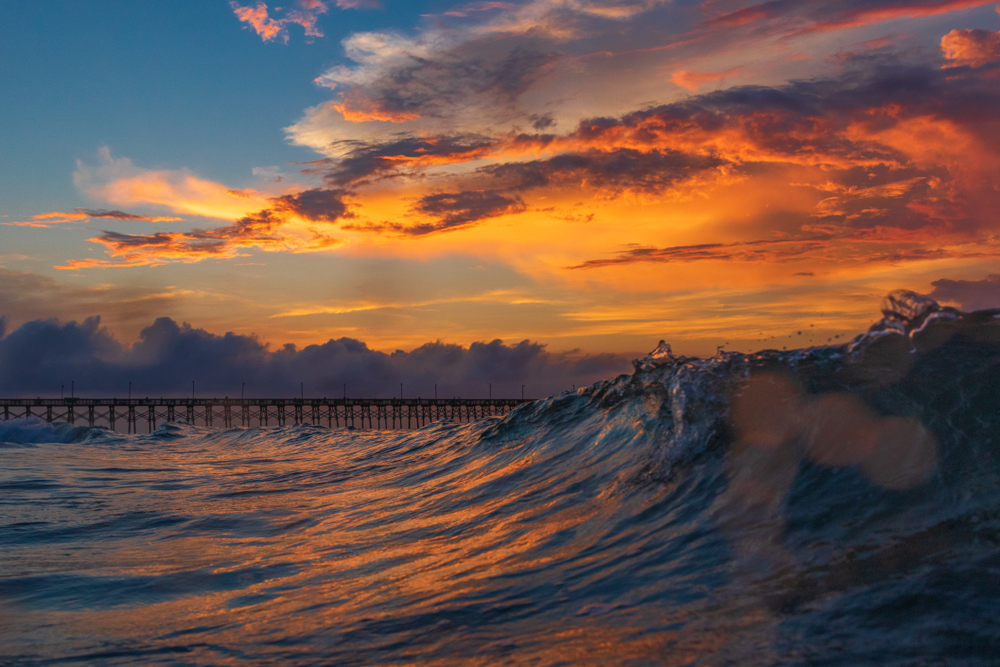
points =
(371, 413)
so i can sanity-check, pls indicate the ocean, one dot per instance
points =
(835, 505)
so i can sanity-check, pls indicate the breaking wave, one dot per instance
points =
(834, 505)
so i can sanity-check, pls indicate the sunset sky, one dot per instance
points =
(589, 175)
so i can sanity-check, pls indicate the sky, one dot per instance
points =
(533, 191)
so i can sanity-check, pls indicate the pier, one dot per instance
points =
(370, 413)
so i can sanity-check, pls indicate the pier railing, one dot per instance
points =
(372, 413)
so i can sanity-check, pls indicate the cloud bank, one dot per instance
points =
(41, 355)
(969, 294)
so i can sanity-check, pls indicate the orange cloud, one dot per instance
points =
(883, 165)
(81, 214)
(839, 15)
(180, 192)
(122, 215)
(768, 133)
(889, 160)
(290, 223)
(872, 246)
(258, 19)
(43, 220)
(306, 16)
(357, 108)
(974, 48)
(453, 210)
(58, 216)
(694, 80)
(906, 10)
(373, 161)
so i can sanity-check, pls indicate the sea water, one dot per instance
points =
(828, 506)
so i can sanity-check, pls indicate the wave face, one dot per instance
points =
(825, 506)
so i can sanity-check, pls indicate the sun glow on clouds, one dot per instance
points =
(585, 143)
(298, 221)
(974, 48)
(694, 80)
(84, 215)
(305, 15)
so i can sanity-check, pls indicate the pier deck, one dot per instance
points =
(372, 413)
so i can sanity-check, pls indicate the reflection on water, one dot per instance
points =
(298, 543)
(778, 508)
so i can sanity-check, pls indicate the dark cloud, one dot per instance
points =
(451, 210)
(748, 251)
(845, 246)
(612, 172)
(39, 353)
(616, 170)
(514, 74)
(440, 83)
(459, 209)
(969, 294)
(812, 118)
(120, 215)
(255, 229)
(316, 205)
(815, 121)
(363, 161)
(38, 356)
(849, 126)
(844, 126)
(196, 244)
(794, 122)
(542, 121)
(263, 229)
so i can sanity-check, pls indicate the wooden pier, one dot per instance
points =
(371, 413)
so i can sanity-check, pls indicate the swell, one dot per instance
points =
(21, 432)
(832, 505)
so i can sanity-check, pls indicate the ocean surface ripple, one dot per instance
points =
(833, 505)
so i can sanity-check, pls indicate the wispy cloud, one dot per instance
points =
(83, 215)
(290, 223)
(695, 80)
(877, 245)
(816, 15)
(122, 215)
(119, 182)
